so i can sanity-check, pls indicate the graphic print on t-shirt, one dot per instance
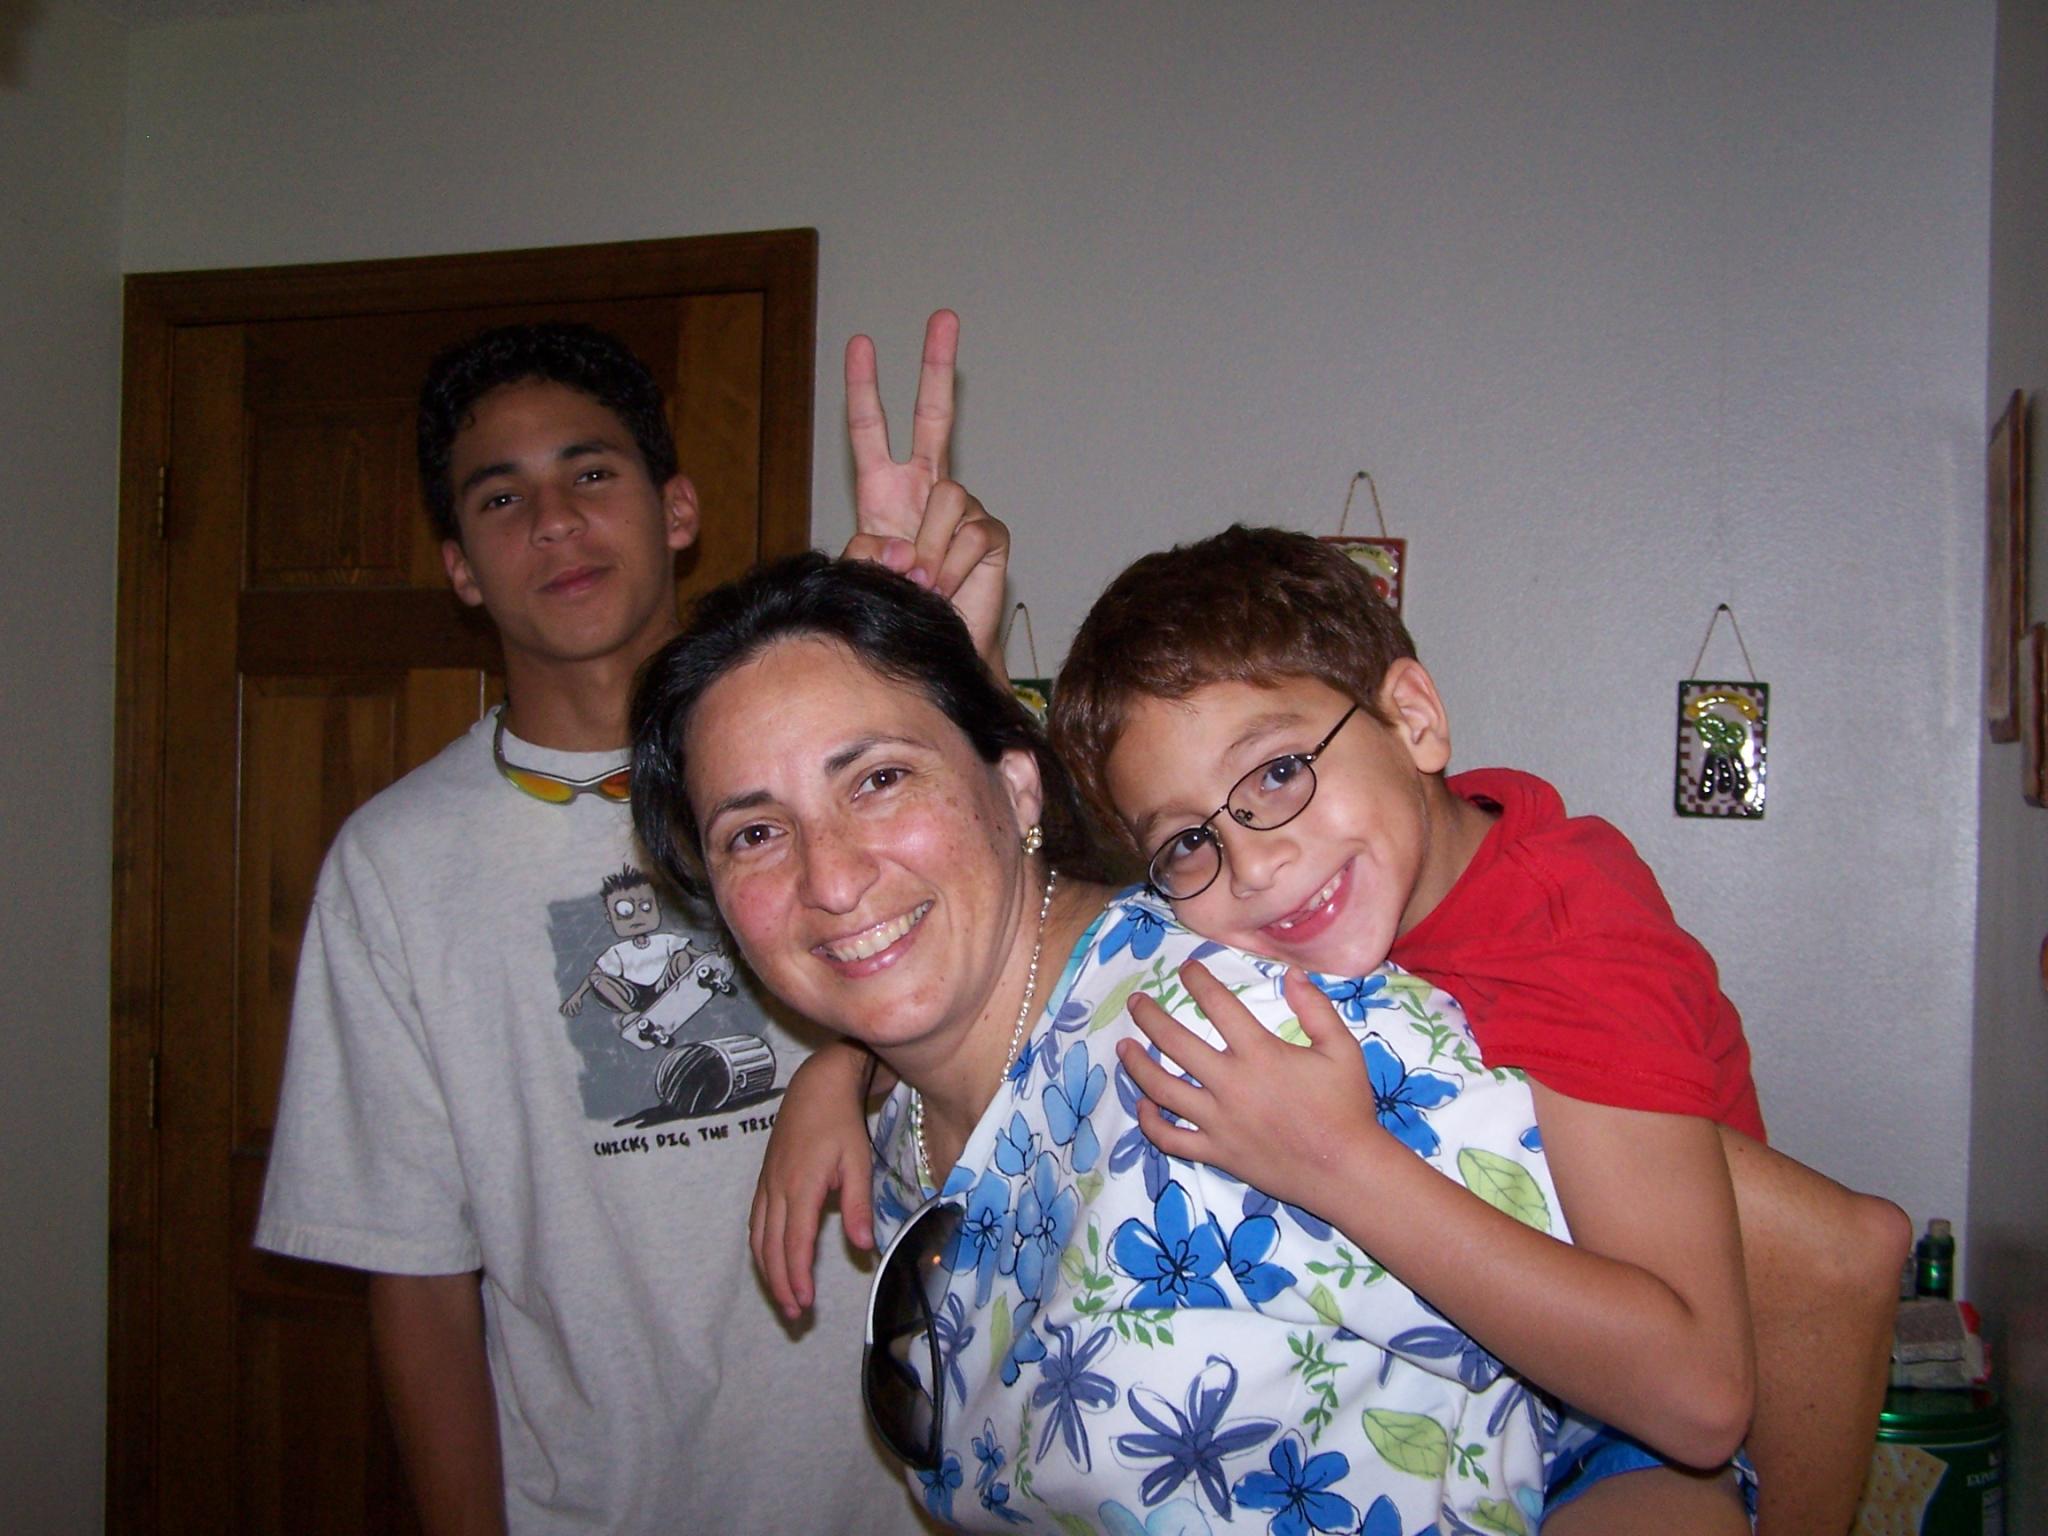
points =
(672, 1035)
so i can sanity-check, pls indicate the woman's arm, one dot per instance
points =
(1643, 1323)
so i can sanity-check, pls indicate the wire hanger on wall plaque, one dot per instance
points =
(1033, 692)
(1382, 557)
(1721, 729)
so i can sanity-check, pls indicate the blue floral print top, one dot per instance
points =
(1138, 1346)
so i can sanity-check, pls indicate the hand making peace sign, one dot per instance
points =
(908, 515)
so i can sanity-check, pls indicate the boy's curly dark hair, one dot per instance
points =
(1248, 605)
(579, 356)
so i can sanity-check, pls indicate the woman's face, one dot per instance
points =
(862, 854)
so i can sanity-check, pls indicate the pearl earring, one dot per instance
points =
(1034, 839)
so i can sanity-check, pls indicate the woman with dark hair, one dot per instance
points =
(1068, 1327)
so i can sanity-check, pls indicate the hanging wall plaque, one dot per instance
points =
(1034, 693)
(1385, 558)
(1722, 730)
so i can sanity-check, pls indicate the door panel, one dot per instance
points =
(289, 648)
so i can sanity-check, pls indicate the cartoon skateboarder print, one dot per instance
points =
(640, 976)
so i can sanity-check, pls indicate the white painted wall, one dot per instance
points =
(60, 324)
(2008, 1245)
(1629, 308)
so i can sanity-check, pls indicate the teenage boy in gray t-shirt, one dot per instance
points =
(552, 1207)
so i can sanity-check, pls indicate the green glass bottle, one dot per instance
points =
(1934, 1262)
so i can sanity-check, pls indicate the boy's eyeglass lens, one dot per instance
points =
(903, 1380)
(1268, 797)
(613, 784)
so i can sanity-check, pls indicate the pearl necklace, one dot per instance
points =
(924, 1163)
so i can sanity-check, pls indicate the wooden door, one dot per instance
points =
(288, 646)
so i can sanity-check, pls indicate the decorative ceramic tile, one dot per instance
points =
(1721, 729)
(1385, 560)
(1034, 693)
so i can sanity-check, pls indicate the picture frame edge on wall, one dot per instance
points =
(2005, 568)
(2034, 767)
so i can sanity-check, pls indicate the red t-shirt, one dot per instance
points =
(1560, 944)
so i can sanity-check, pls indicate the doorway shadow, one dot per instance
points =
(17, 19)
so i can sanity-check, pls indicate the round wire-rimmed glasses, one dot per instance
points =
(1266, 798)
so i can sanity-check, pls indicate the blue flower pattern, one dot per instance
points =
(1069, 1388)
(1355, 996)
(1404, 1097)
(1192, 1438)
(984, 1237)
(1139, 928)
(1069, 1103)
(1134, 1147)
(1119, 1328)
(1440, 1341)
(1173, 1258)
(1252, 1243)
(1026, 1347)
(1045, 1220)
(994, 1495)
(1297, 1490)
(954, 1333)
(940, 1486)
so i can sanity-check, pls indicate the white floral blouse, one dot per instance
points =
(1134, 1344)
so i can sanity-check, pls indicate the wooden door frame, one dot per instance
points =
(781, 265)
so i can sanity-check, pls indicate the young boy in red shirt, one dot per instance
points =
(1550, 931)
(1204, 668)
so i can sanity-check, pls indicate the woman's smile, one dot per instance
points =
(879, 944)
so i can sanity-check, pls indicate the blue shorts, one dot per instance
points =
(1587, 1453)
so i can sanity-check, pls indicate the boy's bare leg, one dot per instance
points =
(1823, 1270)
(1664, 1501)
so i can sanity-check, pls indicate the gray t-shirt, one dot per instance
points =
(489, 1068)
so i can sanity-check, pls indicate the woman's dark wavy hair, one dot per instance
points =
(897, 629)
(581, 357)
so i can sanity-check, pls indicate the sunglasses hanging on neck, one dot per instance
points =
(614, 784)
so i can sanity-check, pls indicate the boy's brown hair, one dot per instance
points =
(1248, 605)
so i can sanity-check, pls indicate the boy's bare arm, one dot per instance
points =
(1823, 1269)
(1644, 1324)
(819, 1145)
(428, 1335)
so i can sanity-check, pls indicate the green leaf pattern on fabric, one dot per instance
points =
(1506, 1186)
(1500, 1517)
(1413, 1442)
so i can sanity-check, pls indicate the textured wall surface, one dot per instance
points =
(60, 327)
(2008, 1235)
(1630, 309)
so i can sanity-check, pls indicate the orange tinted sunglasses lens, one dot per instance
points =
(554, 791)
(615, 786)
